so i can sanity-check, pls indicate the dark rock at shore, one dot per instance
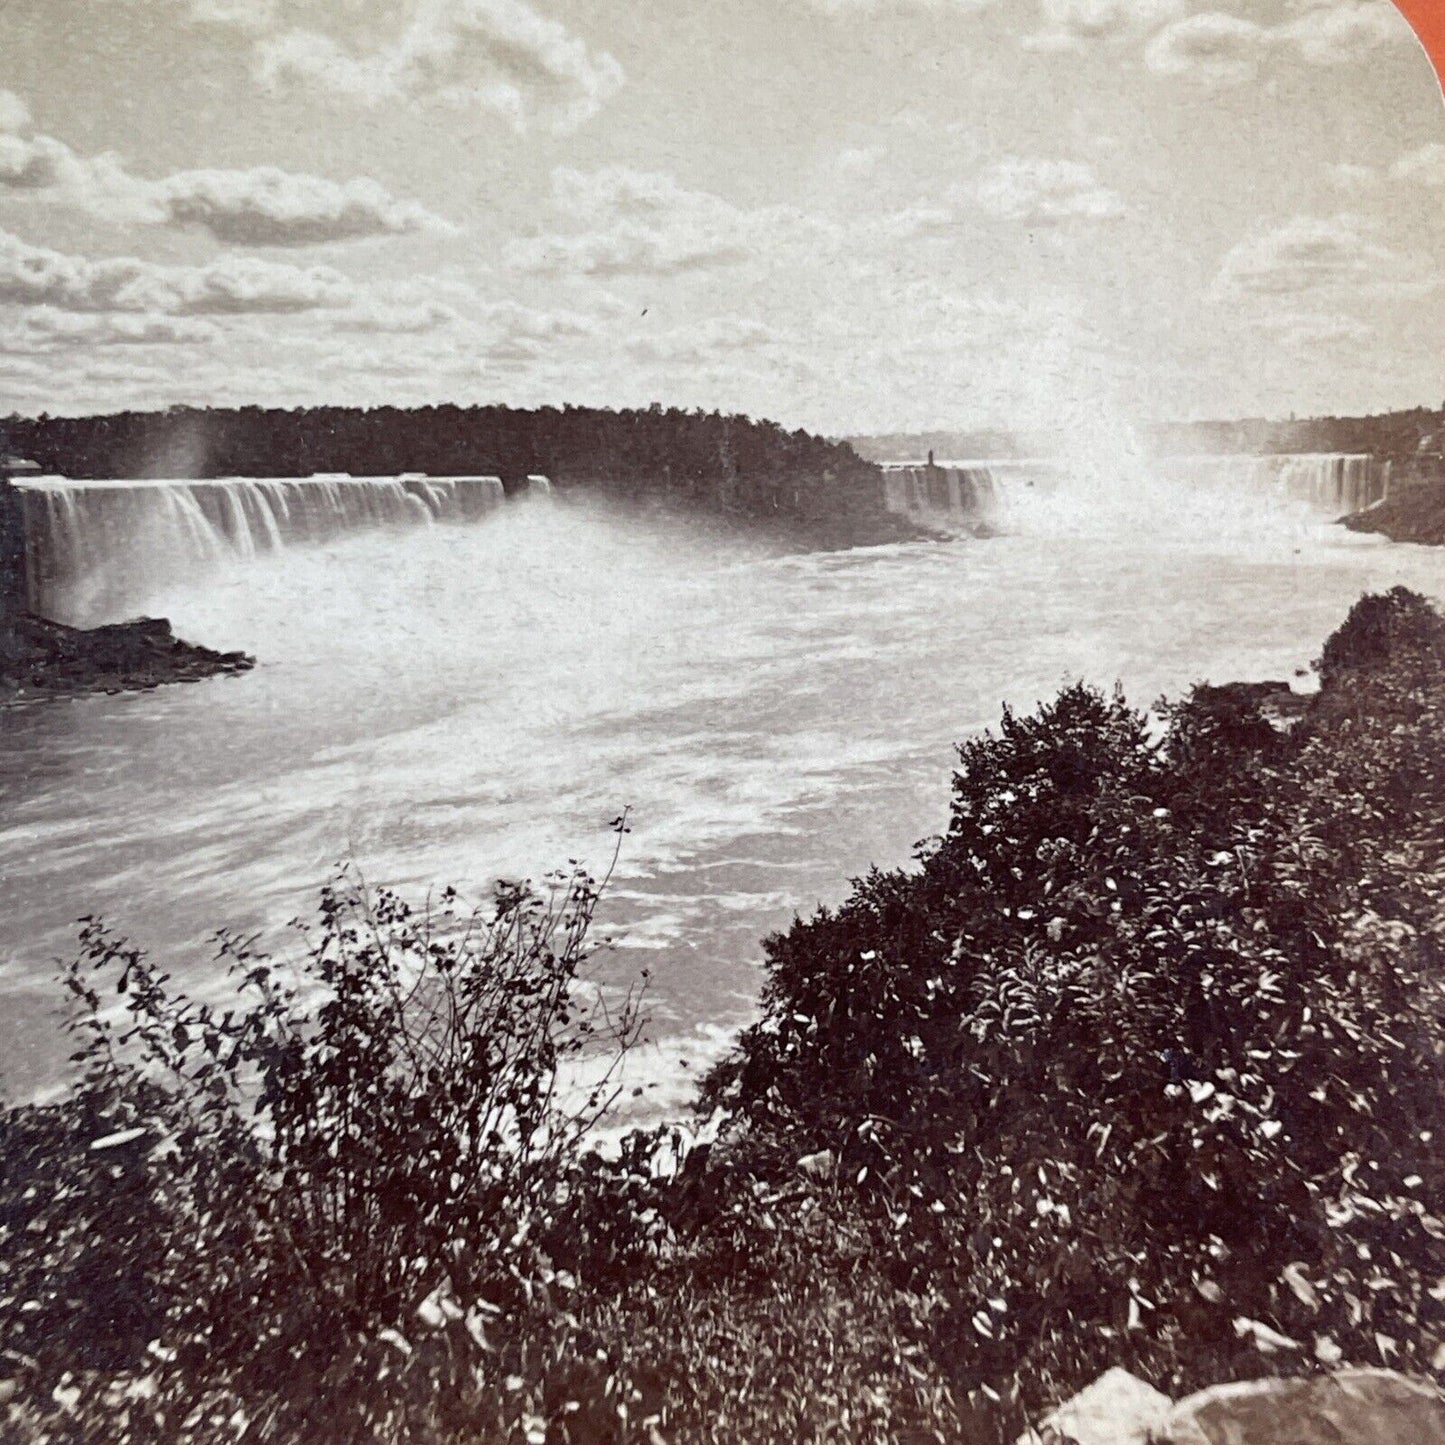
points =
(41, 658)
(1413, 512)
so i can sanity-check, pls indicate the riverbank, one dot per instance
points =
(1413, 512)
(40, 658)
(1138, 1066)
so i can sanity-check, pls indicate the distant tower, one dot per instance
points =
(930, 456)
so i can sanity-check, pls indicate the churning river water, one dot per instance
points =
(455, 703)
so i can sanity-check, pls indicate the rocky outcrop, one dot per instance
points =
(1350, 1407)
(40, 658)
(1413, 512)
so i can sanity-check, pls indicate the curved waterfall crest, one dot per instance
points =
(80, 533)
(975, 492)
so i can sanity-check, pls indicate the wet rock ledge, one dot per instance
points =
(40, 658)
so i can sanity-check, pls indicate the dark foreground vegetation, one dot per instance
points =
(729, 464)
(1140, 1065)
(40, 658)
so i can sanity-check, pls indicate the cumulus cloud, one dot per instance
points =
(1424, 167)
(883, 7)
(644, 223)
(234, 285)
(1040, 192)
(44, 328)
(1340, 33)
(500, 55)
(708, 342)
(265, 206)
(1351, 176)
(511, 321)
(1310, 331)
(14, 113)
(1312, 255)
(256, 16)
(262, 206)
(394, 318)
(1216, 48)
(1213, 48)
(915, 223)
(42, 166)
(1072, 24)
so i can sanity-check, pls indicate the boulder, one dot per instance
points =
(1117, 1409)
(1350, 1407)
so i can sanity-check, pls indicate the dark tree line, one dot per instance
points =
(728, 462)
(1388, 434)
(1395, 434)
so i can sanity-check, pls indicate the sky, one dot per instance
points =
(848, 215)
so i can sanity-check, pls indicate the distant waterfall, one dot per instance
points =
(88, 541)
(977, 492)
(967, 493)
(1332, 483)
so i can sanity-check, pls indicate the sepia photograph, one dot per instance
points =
(722, 723)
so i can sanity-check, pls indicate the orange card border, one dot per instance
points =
(1428, 18)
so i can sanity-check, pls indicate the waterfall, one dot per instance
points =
(969, 493)
(978, 492)
(89, 542)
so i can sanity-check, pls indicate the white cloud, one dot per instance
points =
(1424, 167)
(1340, 33)
(884, 7)
(1213, 48)
(1314, 255)
(1216, 48)
(644, 223)
(1309, 331)
(394, 318)
(508, 320)
(1038, 192)
(1071, 24)
(265, 206)
(500, 55)
(234, 285)
(256, 16)
(14, 113)
(42, 166)
(43, 328)
(704, 343)
(914, 223)
(1351, 176)
(262, 206)
(854, 163)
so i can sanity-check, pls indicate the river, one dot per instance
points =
(454, 703)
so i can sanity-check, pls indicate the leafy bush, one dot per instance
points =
(1148, 1052)
(1140, 1065)
(388, 1130)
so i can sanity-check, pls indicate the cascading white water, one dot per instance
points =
(967, 492)
(89, 543)
(982, 492)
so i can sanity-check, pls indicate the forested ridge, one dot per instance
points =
(728, 463)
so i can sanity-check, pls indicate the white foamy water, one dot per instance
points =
(451, 703)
